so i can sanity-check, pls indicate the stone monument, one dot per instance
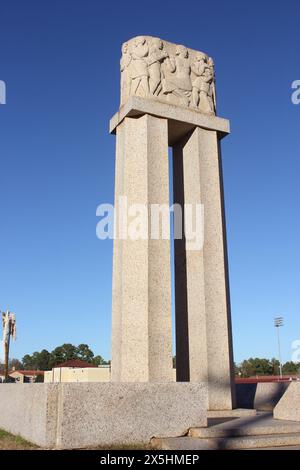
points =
(168, 98)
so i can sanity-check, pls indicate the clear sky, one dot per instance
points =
(60, 61)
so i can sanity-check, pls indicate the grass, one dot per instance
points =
(10, 442)
(122, 447)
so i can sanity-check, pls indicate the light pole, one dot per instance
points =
(278, 322)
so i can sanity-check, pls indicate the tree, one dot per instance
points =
(275, 366)
(98, 361)
(256, 366)
(44, 360)
(237, 370)
(27, 362)
(15, 363)
(38, 360)
(84, 353)
(63, 353)
(291, 368)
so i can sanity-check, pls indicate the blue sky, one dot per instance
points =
(60, 61)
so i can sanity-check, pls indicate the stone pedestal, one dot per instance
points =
(288, 407)
(118, 415)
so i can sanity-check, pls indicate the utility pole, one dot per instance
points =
(9, 329)
(278, 322)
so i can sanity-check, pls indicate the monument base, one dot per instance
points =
(288, 407)
(262, 396)
(78, 415)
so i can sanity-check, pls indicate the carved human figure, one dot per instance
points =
(138, 67)
(125, 72)
(203, 84)
(157, 55)
(211, 64)
(206, 104)
(177, 72)
(198, 68)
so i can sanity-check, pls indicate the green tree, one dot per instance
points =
(291, 368)
(275, 366)
(256, 366)
(99, 361)
(84, 353)
(27, 362)
(43, 360)
(63, 353)
(15, 363)
(237, 370)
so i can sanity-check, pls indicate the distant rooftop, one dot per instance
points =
(266, 378)
(27, 372)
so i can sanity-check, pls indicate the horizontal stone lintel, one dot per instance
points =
(180, 120)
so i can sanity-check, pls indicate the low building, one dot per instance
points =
(77, 371)
(25, 376)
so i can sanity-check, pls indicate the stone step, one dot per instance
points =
(236, 413)
(262, 424)
(230, 443)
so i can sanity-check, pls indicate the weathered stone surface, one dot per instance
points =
(261, 423)
(268, 395)
(167, 72)
(180, 120)
(101, 414)
(279, 441)
(201, 274)
(122, 414)
(30, 410)
(288, 408)
(142, 330)
(235, 413)
(260, 396)
(252, 432)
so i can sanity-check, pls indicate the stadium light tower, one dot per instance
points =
(278, 322)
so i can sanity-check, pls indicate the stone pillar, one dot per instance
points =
(141, 333)
(191, 348)
(206, 313)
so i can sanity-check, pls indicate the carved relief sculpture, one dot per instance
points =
(138, 68)
(155, 69)
(157, 56)
(178, 76)
(125, 77)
